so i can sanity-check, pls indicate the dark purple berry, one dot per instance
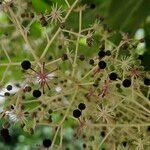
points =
(101, 54)
(76, 113)
(9, 87)
(26, 65)
(112, 76)
(47, 143)
(81, 106)
(102, 64)
(126, 83)
(36, 93)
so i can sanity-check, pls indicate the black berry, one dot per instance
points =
(26, 65)
(9, 87)
(126, 83)
(102, 133)
(47, 143)
(81, 106)
(102, 64)
(146, 81)
(101, 54)
(124, 143)
(76, 113)
(36, 93)
(112, 76)
(84, 145)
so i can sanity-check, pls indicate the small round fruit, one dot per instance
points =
(147, 81)
(36, 93)
(101, 54)
(113, 76)
(81, 106)
(47, 143)
(126, 83)
(9, 87)
(26, 65)
(76, 113)
(102, 64)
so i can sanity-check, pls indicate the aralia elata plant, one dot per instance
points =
(105, 96)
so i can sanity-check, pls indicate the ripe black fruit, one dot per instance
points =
(47, 143)
(76, 113)
(126, 83)
(26, 65)
(81, 106)
(102, 64)
(112, 76)
(101, 54)
(102, 133)
(146, 81)
(9, 87)
(36, 93)
(124, 143)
